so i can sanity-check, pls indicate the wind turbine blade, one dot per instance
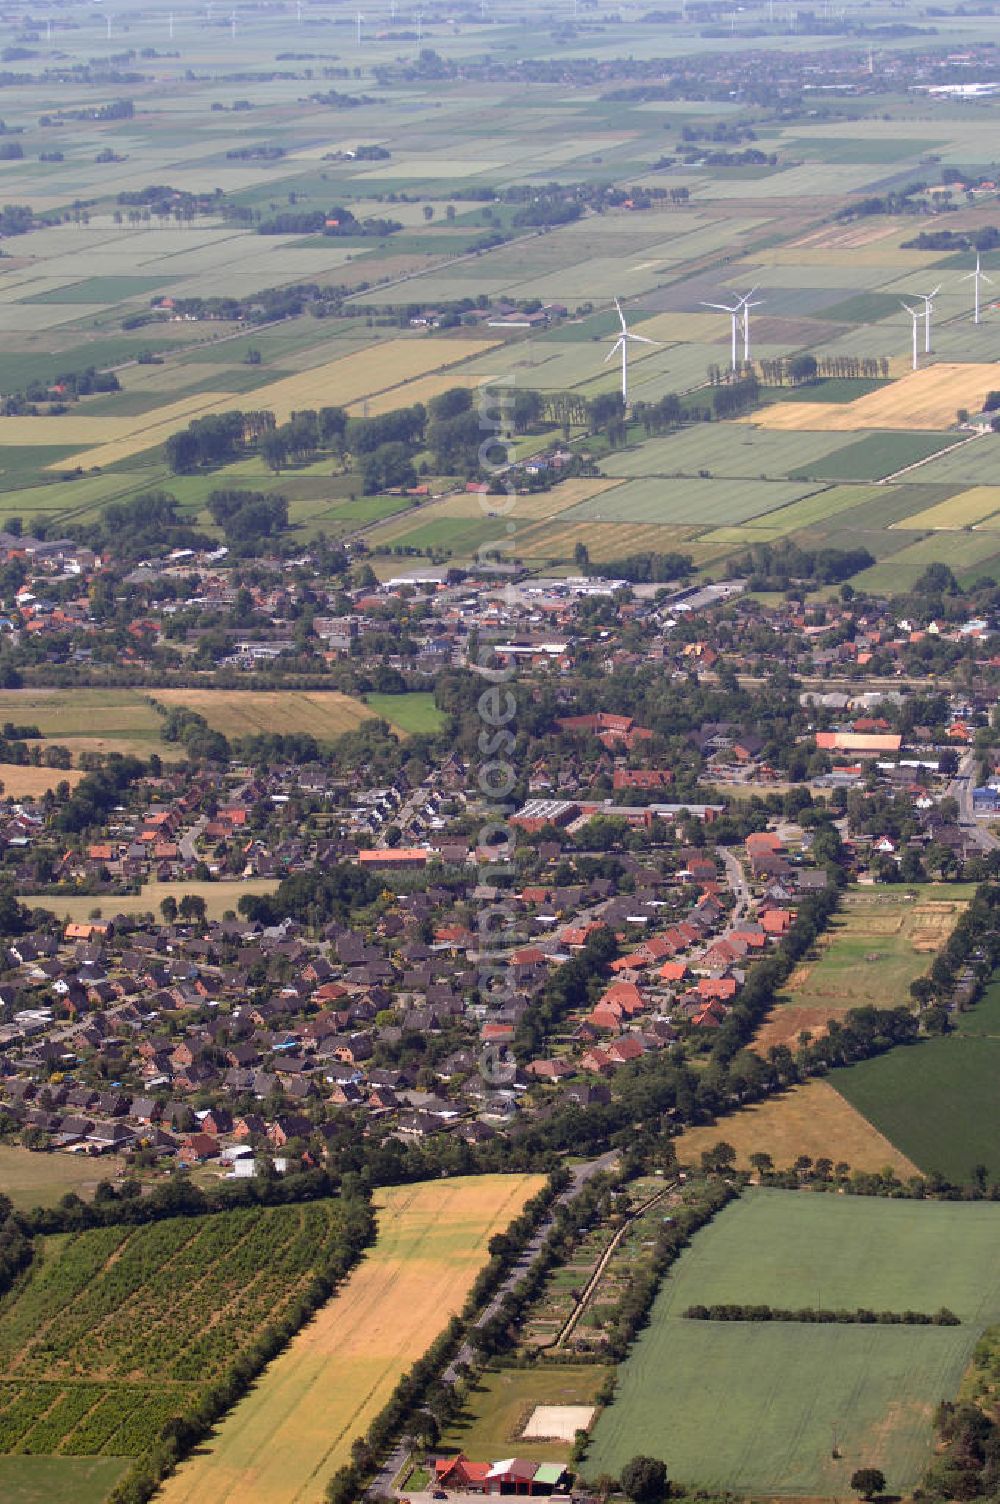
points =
(722, 307)
(913, 312)
(613, 351)
(621, 317)
(641, 339)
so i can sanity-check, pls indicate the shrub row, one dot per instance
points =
(816, 1315)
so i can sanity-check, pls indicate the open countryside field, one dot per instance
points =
(921, 399)
(786, 1389)
(42, 1480)
(339, 382)
(20, 782)
(324, 713)
(967, 554)
(282, 1443)
(414, 713)
(809, 1119)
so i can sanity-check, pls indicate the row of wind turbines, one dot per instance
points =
(739, 314)
(977, 278)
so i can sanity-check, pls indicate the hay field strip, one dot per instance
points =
(692, 501)
(19, 782)
(537, 508)
(281, 1444)
(976, 506)
(812, 511)
(220, 898)
(922, 399)
(808, 1119)
(324, 713)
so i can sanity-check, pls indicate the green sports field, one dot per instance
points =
(761, 1407)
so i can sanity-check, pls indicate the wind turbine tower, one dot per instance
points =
(977, 277)
(109, 27)
(734, 314)
(232, 23)
(915, 316)
(746, 304)
(359, 21)
(928, 299)
(621, 344)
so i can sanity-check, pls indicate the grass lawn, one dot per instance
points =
(501, 1403)
(414, 713)
(59, 1480)
(787, 1390)
(41, 1179)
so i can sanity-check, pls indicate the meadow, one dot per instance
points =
(282, 1442)
(32, 1179)
(415, 713)
(804, 1406)
(221, 898)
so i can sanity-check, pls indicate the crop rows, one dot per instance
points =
(118, 1329)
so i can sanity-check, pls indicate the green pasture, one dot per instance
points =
(725, 450)
(709, 503)
(967, 554)
(804, 1406)
(59, 1480)
(878, 455)
(838, 389)
(414, 712)
(100, 290)
(975, 464)
(864, 307)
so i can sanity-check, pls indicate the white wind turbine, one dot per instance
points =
(746, 304)
(734, 314)
(622, 344)
(360, 18)
(977, 277)
(916, 316)
(928, 300)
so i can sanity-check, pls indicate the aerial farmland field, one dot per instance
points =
(321, 713)
(805, 1405)
(283, 1442)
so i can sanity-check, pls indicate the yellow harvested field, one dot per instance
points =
(921, 399)
(537, 508)
(849, 235)
(17, 782)
(812, 1119)
(696, 328)
(891, 257)
(219, 899)
(78, 428)
(603, 540)
(964, 510)
(321, 713)
(282, 1443)
(334, 384)
(409, 392)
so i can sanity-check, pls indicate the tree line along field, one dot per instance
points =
(284, 1440)
(82, 1376)
(784, 1398)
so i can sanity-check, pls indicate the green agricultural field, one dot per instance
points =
(59, 1480)
(501, 1401)
(969, 555)
(414, 713)
(804, 1406)
(976, 464)
(709, 503)
(731, 450)
(936, 1100)
(831, 389)
(120, 719)
(879, 455)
